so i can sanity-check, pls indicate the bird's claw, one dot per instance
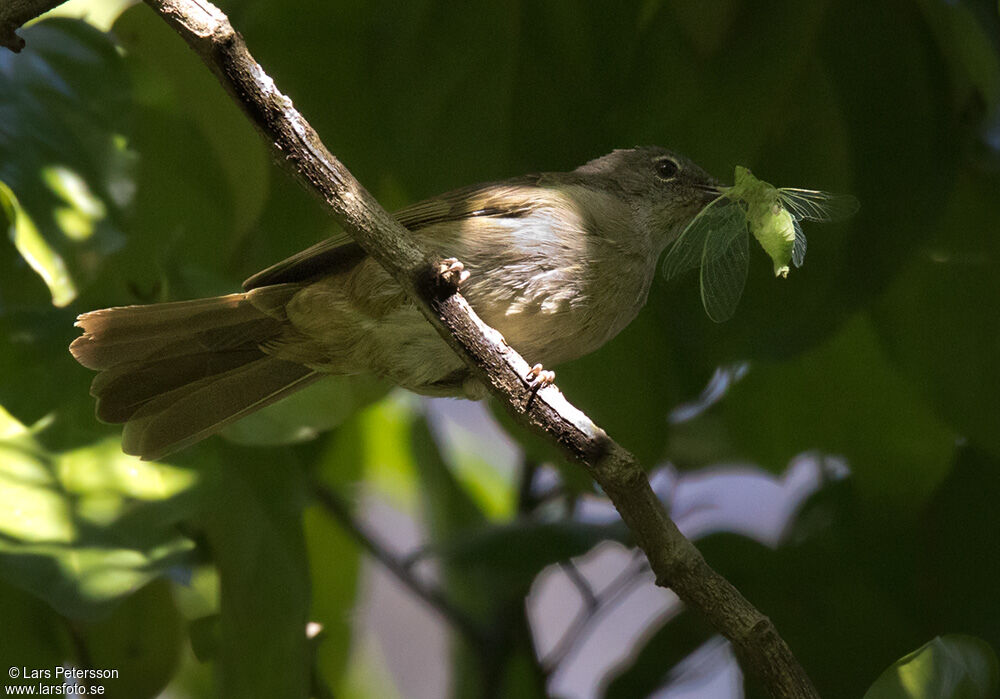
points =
(452, 271)
(540, 377)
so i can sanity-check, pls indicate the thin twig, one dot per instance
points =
(526, 500)
(592, 610)
(84, 661)
(337, 508)
(581, 583)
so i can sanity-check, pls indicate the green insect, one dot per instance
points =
(716, 239)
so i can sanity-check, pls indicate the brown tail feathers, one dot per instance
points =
(176, 373)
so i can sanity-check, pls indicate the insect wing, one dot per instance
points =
(688, 250)
(812, 205)
(724, 270)
(799, 246)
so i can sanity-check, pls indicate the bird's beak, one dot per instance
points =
(709, 191)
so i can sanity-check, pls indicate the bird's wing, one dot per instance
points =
(337, 252)
(507, 199)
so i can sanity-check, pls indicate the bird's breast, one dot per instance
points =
(558, 310)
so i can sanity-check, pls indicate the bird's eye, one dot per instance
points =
(666, 168)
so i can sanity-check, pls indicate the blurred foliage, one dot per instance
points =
(63, 154)
(128, 176)
(951, 666)
(86, 527)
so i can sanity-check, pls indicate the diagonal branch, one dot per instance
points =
(335, 506)
(674, 560)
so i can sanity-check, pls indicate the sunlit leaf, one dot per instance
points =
(104, 467)
(85, 581)
(86, 527)
(64, 107)
(947, 667)
(386, 452)
(483, 457)
(46, 262)
(99, 13)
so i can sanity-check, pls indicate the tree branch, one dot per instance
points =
(674, 560)
(594, 605)
(14, 13)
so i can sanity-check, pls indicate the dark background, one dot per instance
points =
(133, 179)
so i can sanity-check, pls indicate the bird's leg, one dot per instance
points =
(452, 271)
(540, 377)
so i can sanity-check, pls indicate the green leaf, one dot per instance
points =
(169, 76)
(968, 41)
(468, 441)
(47, 263)
(539, 450)
(385, 449)
(948, 667)
(634, 403)
(647, 671)
(64, 106)
(41, 380)
(99, 13)
(852, 568)
(142, 639)
(334, 565)
(706, 23)
(334, 557)
(448, 507)
(522, 677)
(84, 528)
(34, 635)
(253, 521)
(933, 320)
(204, 635)
(508, 557)
(304, 415)
(825, 121)
(956, 537)
(843, 398)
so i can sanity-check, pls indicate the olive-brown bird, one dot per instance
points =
(559, 263)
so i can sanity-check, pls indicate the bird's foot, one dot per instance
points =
(540, 377)
(452, 271)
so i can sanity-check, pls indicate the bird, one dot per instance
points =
(559, 263)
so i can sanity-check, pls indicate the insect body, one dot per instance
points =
(716, 239)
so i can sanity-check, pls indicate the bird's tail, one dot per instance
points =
(176, 373)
